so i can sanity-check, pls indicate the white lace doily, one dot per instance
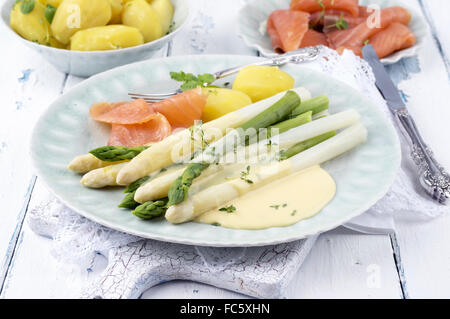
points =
(76, 240)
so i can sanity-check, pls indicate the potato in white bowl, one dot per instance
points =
(53, 46)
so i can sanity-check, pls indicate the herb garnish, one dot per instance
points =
(49, 13)
(278, 206)
(171, 27)
(340, 24)
(228, 209)
(294, 212)
(244, 175)
(27, 6)
(197, 129)
(190, 81)
(270, 144)
(320, 2)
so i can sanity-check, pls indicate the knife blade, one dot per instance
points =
(383, 81)
(432, 176)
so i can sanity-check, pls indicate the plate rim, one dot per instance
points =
(209, 243)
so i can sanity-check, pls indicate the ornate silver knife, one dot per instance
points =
(432, 176)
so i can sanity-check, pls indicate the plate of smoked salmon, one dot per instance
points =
(276, 26)
(266, 156)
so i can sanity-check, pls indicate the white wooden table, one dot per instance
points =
(342, 264)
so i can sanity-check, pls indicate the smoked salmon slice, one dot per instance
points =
(355, 37)
(287, 28)
(275, 39)
(137, 111)
(396, 37)
(350, 6)
(182, 110)
(313, 38)
(330, 22)
(131, 135)
(364, 11)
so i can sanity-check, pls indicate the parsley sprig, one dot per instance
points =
(228, 209)
(191, 81)
(49, 13)
(244, 175)
(340, 24)
(27, 6)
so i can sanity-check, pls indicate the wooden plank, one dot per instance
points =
(29, 84)
(342, 264)
(35, 273)
(347, 264)
(436, 13)
(425, 250)
(213, 30)
(425, 245)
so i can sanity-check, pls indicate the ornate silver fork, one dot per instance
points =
(297, 56)
(432, 176)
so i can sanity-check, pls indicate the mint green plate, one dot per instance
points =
(65, 130)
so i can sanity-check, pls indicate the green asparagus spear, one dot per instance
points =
(151, 209)
(276, 113)
(316, 105)
(179, 190)
(289, 124)
(302, 146)
(136, 184)
(128, 201)
(116, 153)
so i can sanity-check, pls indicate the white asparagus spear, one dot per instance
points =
(220, 194)
(102, 177)
(87, 162)
(159, 187)
(179, 146)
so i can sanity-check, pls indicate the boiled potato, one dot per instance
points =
(108, 37)
(33, 26)
(116, 11)
(141, 15)
(261, 82)
(165, 12)
(75, 15)
(222, 101)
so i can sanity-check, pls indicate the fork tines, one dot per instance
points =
(151, 98)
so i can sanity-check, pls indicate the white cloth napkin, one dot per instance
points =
(76, 240)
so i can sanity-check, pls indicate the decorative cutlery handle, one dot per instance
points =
(297, 56)
(433, 177)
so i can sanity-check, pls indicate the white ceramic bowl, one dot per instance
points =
(87, 63)
(254, 14)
